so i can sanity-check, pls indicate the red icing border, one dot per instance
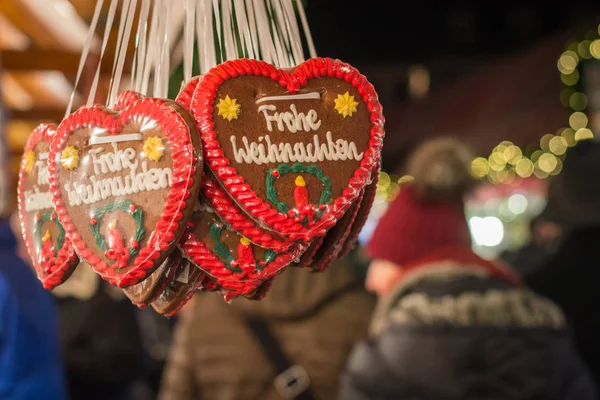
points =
(162, 239)
(221, 202)
(202, 110)
(198, 253)
(361, 219)
(238, 220)
(66, 260)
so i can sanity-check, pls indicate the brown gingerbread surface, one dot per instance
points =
(299, 122)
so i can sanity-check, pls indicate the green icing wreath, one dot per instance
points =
(45, 217)
(223, 251)
(284, 169)
(125, 206)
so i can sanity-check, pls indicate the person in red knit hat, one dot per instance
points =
(449, 324)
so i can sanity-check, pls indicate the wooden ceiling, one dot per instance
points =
(40, 45)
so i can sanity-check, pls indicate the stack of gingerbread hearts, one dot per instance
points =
(252, 169)
(291, 160)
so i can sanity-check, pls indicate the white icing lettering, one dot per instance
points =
(293, 120)
(264, 153)
(36, 200)
(98, 188)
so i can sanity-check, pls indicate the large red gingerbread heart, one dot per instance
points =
(294, 149)
(123, 184)
(52, 256)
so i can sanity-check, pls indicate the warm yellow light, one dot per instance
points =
(570, 79)
(512, 154)
(480, 167)
(536, 155)
(583, 134)
(578, 120)
(393, 191)
(569, 135)
(578, 101)
(384, 180)
(524, 168)
(595, 48)
(583, 49)
(405, 179)
(568, 62)
(547, 162)
(545, 141)
(558, 167)
(558, 145)
(540, 174)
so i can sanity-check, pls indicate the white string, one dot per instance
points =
(293, 32)
(84, 53)
(208, 58)
(217, 15)
(188, 40)
(253, 30)
(142, 35)
(267, 49)
(284, 33)
(152, 49)
(166, 55)
(122, 55)
(230, 49)
(107, 29)
(121, 30)
(311, 46)
(158, 52)
(242, 23)
(282, 61)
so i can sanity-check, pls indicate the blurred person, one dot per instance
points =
(568, 275)
(30, 362)
(449, 324)
(544, 238)
(100, 338)
(308, 321)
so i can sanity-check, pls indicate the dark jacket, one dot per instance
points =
(569, 278)
(450, 331)
(30, 365)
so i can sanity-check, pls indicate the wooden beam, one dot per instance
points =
(26, 21)
(51, 60)
(42, 115)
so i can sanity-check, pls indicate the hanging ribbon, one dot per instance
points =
(84, 53)
(122, 52)
(107, 29)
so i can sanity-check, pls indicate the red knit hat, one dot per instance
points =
(411, 229)
(428, 214)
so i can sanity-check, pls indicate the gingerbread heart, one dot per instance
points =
(145, 292)
(52, 256)
(124, 184)
(335, 238)
(188, 279)
(362, 216)
(294, 149)
(236, 264)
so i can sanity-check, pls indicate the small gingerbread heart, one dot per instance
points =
(235, 263)
(145, 292)
(293, 149)
(52, 255)
(188, 279)
(124, 184)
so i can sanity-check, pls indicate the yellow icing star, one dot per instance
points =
(69, 158)
(154, 148)
(29, 161)
(345, 104)
(228, 108)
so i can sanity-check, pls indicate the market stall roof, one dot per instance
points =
(516, 98)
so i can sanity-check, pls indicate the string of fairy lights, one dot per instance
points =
(507, 161)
